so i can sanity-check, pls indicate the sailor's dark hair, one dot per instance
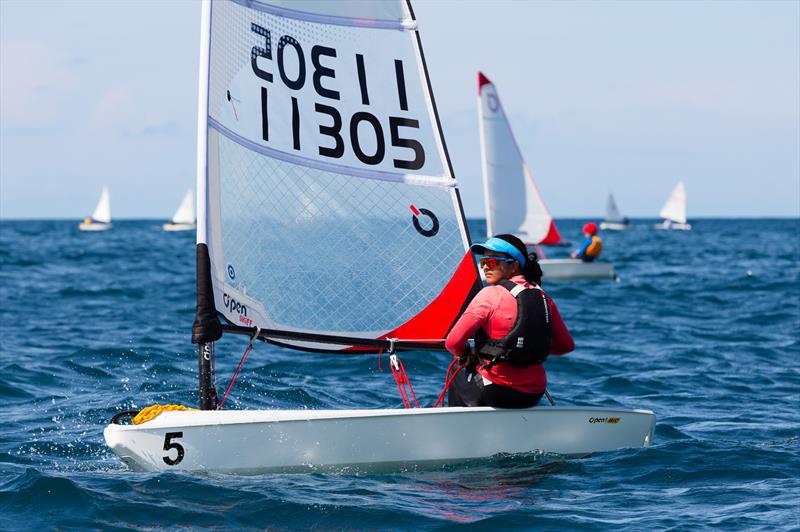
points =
(531, 270)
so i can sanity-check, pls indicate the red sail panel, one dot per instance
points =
(482, 80)
(434, 321)
(553, 237)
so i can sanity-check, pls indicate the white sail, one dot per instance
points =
(513, 203)
(102, 213)
(612, 212)
(674, 209)
(185, 212)
(326, 197)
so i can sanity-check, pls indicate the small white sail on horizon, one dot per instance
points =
(674, 210)
(184, 218)
(100, 220)
(613, 219)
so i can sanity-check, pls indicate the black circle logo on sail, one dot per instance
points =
(434, 221)
(231, 272)
(494, 103)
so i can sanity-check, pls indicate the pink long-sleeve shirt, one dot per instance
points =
(495, 309)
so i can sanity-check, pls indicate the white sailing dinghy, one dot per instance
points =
(614, 221)
(184, 218)
(513, 202)
(674, 210)
(100, 220)
(333, 158)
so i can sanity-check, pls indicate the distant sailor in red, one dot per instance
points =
(592, 245)
(516, 326)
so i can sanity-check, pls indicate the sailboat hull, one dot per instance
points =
(96, 226)
(674, 226)
(261, 441)
(575, 269)
(179, 227)
(613, 226)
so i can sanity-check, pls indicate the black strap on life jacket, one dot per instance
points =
(528, 341)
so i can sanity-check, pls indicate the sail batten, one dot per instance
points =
(330, 207)
(382, 15)
(446, 182)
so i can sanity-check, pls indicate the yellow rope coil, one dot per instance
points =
(150, 412)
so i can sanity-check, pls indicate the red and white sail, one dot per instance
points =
(325, 193)
(513, 203)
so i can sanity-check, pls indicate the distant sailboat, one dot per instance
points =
(184, 218)
(513, 203)
(100, 220)
(614, 220)
(674, 210)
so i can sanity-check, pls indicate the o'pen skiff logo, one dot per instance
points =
(612, 420)
(231, 272)
(239, 308)
(424, 212)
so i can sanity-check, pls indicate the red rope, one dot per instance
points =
(401, 378)
(448, 379)
(236, 374)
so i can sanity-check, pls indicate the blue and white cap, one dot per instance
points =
(498, 245)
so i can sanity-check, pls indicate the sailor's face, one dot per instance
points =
(497, 271)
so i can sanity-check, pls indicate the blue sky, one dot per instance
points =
(628, 97)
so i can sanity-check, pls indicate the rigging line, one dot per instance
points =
(401, 378)
(238, 369)
(549, 397)
(448, 380)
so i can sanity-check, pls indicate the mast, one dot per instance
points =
(206, 328)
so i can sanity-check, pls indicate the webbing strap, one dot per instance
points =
(517, 289)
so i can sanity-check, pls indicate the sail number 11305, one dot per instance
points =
(363, 129)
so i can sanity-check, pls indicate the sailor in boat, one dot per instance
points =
(592, 245)
(516, 326)
(88, 221)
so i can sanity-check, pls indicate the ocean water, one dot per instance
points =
(703, 327)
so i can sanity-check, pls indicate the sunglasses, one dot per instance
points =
(491, 262)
